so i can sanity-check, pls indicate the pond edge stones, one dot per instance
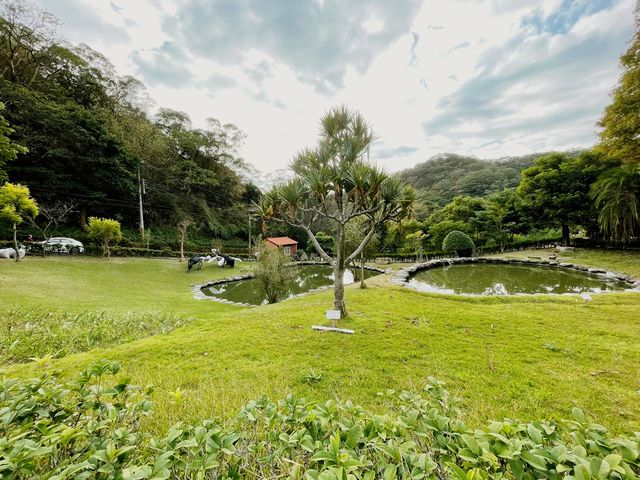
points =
(402, 276)
(198, 294)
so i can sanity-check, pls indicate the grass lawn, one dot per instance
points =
(524, 357)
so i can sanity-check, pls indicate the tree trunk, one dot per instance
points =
(182, 248)
(338, 290)
(565, 235)
(362, 285)
(338, 274)
(15, 242)
(83, 219)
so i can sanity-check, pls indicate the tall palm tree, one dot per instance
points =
(617, 196)
(334, 183)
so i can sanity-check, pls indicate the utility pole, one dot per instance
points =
(140, 202)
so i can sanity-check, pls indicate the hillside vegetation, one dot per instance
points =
(445, 176)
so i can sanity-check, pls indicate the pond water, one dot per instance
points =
(307, 278)
(509, 279)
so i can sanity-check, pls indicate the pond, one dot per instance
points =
(308, 277)
(509, 279)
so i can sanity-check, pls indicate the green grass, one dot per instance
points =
(525, 357)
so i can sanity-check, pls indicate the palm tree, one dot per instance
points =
(334, 183)
(617, 196)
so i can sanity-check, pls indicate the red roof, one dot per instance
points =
(281, 241)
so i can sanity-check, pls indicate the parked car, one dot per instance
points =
(63, 245)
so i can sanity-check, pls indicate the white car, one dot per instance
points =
(63, 245)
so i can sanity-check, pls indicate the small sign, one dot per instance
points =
(333, 314)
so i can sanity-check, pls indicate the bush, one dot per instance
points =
(26, 333)
(90, 428)
(105, 231)
(458, 242)
(273, 270)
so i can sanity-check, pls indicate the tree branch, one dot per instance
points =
(318, 247)
(363, 244)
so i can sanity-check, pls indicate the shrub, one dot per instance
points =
(273, 270)
(105, 231)
(458, 242)
(89, 428)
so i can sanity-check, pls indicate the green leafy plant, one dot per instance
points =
(312, 377)
(90, 428)
(273, 270)
(104, 231)
(458, 242)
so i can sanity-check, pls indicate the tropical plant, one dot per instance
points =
(335, 183)
(274, 271)
(16, 205)
(617, 196)
(459, 243)
(104, 231)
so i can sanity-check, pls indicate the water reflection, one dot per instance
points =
(506, 279)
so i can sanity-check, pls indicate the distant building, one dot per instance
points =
(288, 245)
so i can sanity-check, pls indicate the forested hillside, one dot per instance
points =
(92, 134)
(448, 175)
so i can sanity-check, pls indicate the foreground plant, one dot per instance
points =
(91, 429)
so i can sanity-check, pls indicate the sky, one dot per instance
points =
(484, 78)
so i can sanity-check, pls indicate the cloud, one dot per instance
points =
(540, 88)
(86, 22)
(386, 153)
(491, 78)
(217, 81)
(317, 41)
(166, 65)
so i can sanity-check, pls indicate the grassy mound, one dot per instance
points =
(524, 357)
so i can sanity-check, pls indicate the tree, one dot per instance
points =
(334, 182)
(183, 226)
(52, 216)
(503, 217)
(462, 209)
(620, 136)
(16, 205)
(105, 231)
(617, 196)
(556, 190)
(273, 270)
(9, 150)
(459, 243)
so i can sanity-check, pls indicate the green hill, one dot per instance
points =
(447, 175)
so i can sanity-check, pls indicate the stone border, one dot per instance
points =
(198, 294)
(402, 276)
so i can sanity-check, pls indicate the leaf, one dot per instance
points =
(534, 434)
(536, 461)
(581, 472)
(578, 415)
(458, 472)
(390, 472)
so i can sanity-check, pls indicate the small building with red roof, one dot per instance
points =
(288, 245)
